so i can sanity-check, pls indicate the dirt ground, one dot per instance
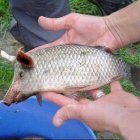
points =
(8, 43)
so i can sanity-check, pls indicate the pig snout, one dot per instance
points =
(10, 96)
(13, 94)
(14, 97)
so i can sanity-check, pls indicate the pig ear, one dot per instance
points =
(25, 60)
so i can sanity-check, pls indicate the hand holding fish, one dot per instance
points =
(109, 113)
(113, 31)
(92, 67)
(81, 29)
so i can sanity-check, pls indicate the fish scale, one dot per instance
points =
(76, 66)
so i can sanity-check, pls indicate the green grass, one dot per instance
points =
(6, 69)
(84, 7)
(6, 74)
(5, 15)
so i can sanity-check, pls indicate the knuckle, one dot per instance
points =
(71, 18)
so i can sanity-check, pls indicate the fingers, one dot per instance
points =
(67, 112)
(58, 99)
(115, 86)
(84, 101)
(56, 23)
(96, 94)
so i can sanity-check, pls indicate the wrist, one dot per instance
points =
(124, 24)
(107, 39)
(115, 33)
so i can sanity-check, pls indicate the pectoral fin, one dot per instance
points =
(39, 99)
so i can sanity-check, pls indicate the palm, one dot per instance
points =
(81, 29)
(84, 33)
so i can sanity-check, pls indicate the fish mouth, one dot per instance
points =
(13, 96)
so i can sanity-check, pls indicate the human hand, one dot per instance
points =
(109, 113)
(81, 29)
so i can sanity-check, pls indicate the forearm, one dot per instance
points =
(125, 24)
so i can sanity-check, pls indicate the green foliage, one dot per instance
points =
(131, 54)
(106, 89)
(5, 15)
(84, 7)
(129, 87)
(6, 74)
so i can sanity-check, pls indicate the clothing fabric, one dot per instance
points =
(25, 27)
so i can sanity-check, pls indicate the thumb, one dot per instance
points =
(67, 112)
(53, 23)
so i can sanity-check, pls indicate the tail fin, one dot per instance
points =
(6, 56)
(135, 76)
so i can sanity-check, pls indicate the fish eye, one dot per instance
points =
(21, 74)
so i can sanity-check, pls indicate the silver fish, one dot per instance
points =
(63, 69)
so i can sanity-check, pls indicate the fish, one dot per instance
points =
(67, 69)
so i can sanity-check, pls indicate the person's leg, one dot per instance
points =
(109, 6)
(25, 27)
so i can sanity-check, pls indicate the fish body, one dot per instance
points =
(65, 69)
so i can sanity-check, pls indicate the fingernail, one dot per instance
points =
(41, 18)
(58, 122)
